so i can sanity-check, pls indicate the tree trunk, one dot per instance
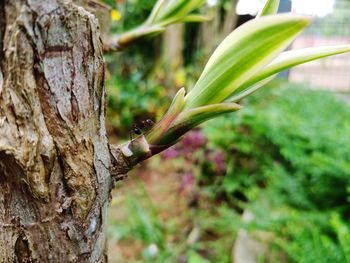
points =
(230, 19)
(213, 31)
(172, 51)
(54, 155)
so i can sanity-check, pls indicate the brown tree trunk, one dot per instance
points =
(213, 31)
(230, 19)
(54, 155)
(173, 44)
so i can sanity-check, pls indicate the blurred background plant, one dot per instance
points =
(287, 162)
(284, 159)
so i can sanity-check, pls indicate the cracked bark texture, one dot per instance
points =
(54, 155)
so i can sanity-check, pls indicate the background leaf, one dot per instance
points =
(270, 8)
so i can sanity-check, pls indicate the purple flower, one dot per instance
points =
(187, 182)
(171, 153)
(188, 179)
(194, 140)
(219, 162)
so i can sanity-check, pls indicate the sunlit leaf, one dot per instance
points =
(177, 9)
(270, 8)
(155, 11)
(242, 54)
(292, 58)
(163, 14)
(139, 32)
(244, 93)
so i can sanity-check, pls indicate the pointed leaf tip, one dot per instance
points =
(156, 133)
(270, 8)
(290, 59)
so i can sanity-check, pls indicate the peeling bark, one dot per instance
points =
(55, 160)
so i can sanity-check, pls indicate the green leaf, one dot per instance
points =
(164, 13)
(187, 120)
(155, 11)
(292, 58)
(177, 9)
(154, 135)
(250, 90)
(270, 8)
(143, 31)
(177, 103)
(242, 54)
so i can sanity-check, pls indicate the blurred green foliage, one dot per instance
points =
(286, 160)
(132, 13)
(299, 135)
(142, 223)
(133, 99)
(136, 88)
(289, 159)
(169, 240)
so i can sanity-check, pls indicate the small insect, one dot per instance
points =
(142, 127)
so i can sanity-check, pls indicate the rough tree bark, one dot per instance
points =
(56, 166)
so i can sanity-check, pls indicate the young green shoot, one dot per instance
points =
(245, 61)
